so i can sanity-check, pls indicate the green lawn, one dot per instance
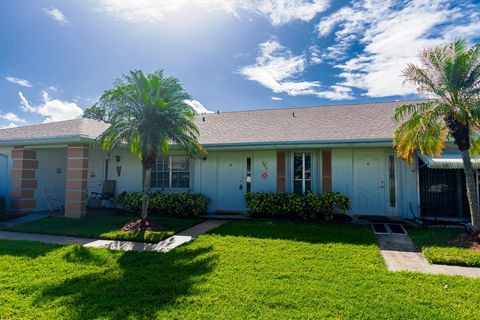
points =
(243, 270)
(436, 249)
(103, 227)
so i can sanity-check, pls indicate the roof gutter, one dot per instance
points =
(216, 146)
(301, 144)
(49, 140)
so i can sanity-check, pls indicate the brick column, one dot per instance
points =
(76, 187)
(22, 193)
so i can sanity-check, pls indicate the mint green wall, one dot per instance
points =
(262, 159)
(5, 168)
(342, 172)
(205, 174)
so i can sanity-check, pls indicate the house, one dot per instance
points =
(344, 148)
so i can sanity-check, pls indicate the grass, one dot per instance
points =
(436, 249)
(242, 270)
(103, 227)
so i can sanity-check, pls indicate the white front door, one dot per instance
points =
(369, 182)
(231, 182)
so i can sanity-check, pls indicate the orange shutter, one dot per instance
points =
(281, 168)
(326, 171)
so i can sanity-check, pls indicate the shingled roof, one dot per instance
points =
(61, 130)
(353, 122)
(339, 123)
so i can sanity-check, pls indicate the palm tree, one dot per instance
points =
(450, 76)
(148, 113)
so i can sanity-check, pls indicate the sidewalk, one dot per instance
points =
(401, 254)
(163, 246)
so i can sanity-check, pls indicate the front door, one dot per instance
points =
(369, 182)
(232, 182)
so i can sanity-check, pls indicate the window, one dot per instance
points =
(302, 172)
(391, 180)
(171, 172)
(249, 174)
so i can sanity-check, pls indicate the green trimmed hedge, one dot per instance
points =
(3, 206)
(166, 204)
(291, 205)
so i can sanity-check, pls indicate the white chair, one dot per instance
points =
(50, 197)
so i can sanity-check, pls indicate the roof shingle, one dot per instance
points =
(326, 123)
(85, 128)
(354, 122)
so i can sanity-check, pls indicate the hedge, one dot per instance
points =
(291, 205)
(3, 206)
(166, 204)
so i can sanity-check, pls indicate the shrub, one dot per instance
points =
(311, 205)
(3, 206)
(167, 204)
(132, 202)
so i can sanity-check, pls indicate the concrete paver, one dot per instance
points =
(163, 246)
(401, 254)
(23, 219)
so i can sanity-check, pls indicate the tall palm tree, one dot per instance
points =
(450, 76)
(148, 113)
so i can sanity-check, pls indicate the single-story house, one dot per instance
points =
(343, 148)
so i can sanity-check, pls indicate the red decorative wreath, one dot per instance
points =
(265, 175)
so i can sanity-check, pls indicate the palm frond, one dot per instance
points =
(149, 113)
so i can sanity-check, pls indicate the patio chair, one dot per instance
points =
(98, 200)
(50, 197)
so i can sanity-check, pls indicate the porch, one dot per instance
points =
(58, 172)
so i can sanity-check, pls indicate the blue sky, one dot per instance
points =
(57, 57)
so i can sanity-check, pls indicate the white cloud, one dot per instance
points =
(278, 69)
(151, 11)
(284, 11)
(57, 15)
(391, 37)
(336, 92)
(25, 104)
(12, 117)
(277, 99)
(52, 109)
(197, 107)
(18, 81)
(10, 125)
(315, 55)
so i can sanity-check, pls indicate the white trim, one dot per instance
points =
(292, 183)
(170, 174)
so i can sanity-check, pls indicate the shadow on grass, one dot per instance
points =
(26, 248)
(137, 286)
(303, 231)
(84, 256)
(438, 237)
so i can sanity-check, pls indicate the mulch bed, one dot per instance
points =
(139, 225)
(467, 240)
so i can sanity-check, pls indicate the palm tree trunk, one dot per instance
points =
(147, 175)
(471, 190)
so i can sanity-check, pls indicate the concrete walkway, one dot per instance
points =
(401, 254)
(23, 219)
(163, 246)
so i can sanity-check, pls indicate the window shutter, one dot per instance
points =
(281, 169)
(326, 171)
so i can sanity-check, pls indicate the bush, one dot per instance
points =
(3, 206)
(166, 204)
(311, 205)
